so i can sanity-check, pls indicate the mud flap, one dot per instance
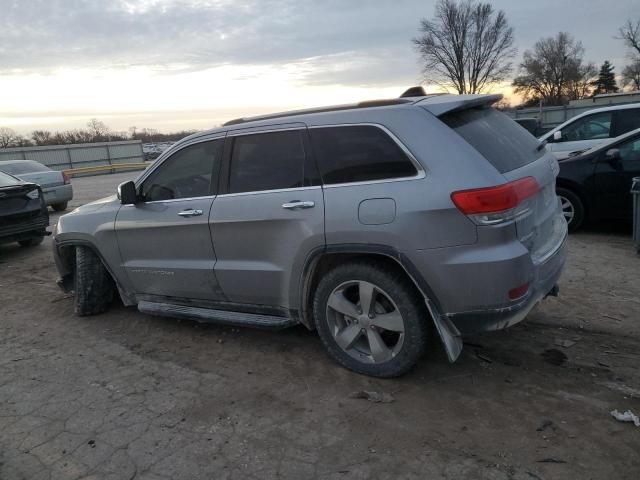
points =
(449, 334)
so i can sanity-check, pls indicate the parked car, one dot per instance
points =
(368, 223)
(55, 185)
(23, 213)
(592, 128)
(595, 185)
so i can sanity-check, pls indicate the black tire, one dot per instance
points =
(574, 203)
(60, 207)
(401, 292)
(31, 242)
(92, 284)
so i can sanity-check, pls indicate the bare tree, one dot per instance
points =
(41, 137)
(98, 129)
(554, 71)
(630, 33)
(631, 75)
(8, 137)
(467, 46)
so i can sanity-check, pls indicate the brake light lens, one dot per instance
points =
(487, 206)
(519, 292)
(66, 178)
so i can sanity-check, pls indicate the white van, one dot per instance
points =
(591, 128)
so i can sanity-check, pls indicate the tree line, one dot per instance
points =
(95, 131)
(469, 47)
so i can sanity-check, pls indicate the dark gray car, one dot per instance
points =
(370, 223)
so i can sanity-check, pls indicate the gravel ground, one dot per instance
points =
(125, 395)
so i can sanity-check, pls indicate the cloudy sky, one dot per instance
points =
(173, 64)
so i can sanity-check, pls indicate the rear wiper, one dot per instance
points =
(541, 146)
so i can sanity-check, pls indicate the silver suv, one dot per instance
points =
(376, 224)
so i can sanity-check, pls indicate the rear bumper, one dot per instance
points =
(24, 230)
(545, 280)
(59, 194)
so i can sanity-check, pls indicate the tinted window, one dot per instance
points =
(591, 127)
(625, 120)
(267, 161)
(26, 166)
(187, 173)
(496, 137)
(357, 154)
(630, 154)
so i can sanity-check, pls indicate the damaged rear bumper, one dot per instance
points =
(544, 283)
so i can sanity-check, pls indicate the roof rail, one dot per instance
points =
(366, 104)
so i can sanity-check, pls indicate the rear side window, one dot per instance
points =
(496, 137)
(625, 120)
(358, 153)
(267, 161)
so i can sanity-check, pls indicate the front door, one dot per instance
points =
(270, 218)
(613, 180)
(164, 240)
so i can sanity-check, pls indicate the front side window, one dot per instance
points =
(630, 153)
(358, 153)
(267, 161)
(188, 173)
(591, 127)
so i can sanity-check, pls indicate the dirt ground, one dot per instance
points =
(125, 395)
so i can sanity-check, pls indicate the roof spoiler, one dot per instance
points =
(440, 105)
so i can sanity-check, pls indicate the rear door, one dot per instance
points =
(270, 217)
(164, 240)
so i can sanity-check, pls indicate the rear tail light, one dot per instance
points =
(66, 178)
(519, 292)
(491, 205)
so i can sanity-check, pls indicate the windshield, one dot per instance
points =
(7, 180)
(18, 168)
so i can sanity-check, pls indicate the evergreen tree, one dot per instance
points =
(606, 82)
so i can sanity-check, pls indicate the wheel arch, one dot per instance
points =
(577, 189)
(324, 259)
(64, 253)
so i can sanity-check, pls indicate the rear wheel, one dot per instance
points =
(93, 285)
(31, 242)
(60, 207)
(572, 208)
(370, 320)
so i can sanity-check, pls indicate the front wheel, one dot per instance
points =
(93, 286)
(572, 208)
(370, 321)
(60, 207)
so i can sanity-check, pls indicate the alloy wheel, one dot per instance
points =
(568, 209)
(365, 322)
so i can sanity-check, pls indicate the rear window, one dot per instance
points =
(7, 180)
(18, 168)
(504, 143)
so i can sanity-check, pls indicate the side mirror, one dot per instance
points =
(127, 193)
(557, 136)
(612, 154)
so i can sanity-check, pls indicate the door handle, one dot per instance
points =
(295, 204)
(190, 212)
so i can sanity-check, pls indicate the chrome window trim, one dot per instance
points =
(277, 190)
(173, 200)
(170, 152)
(421, 171)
